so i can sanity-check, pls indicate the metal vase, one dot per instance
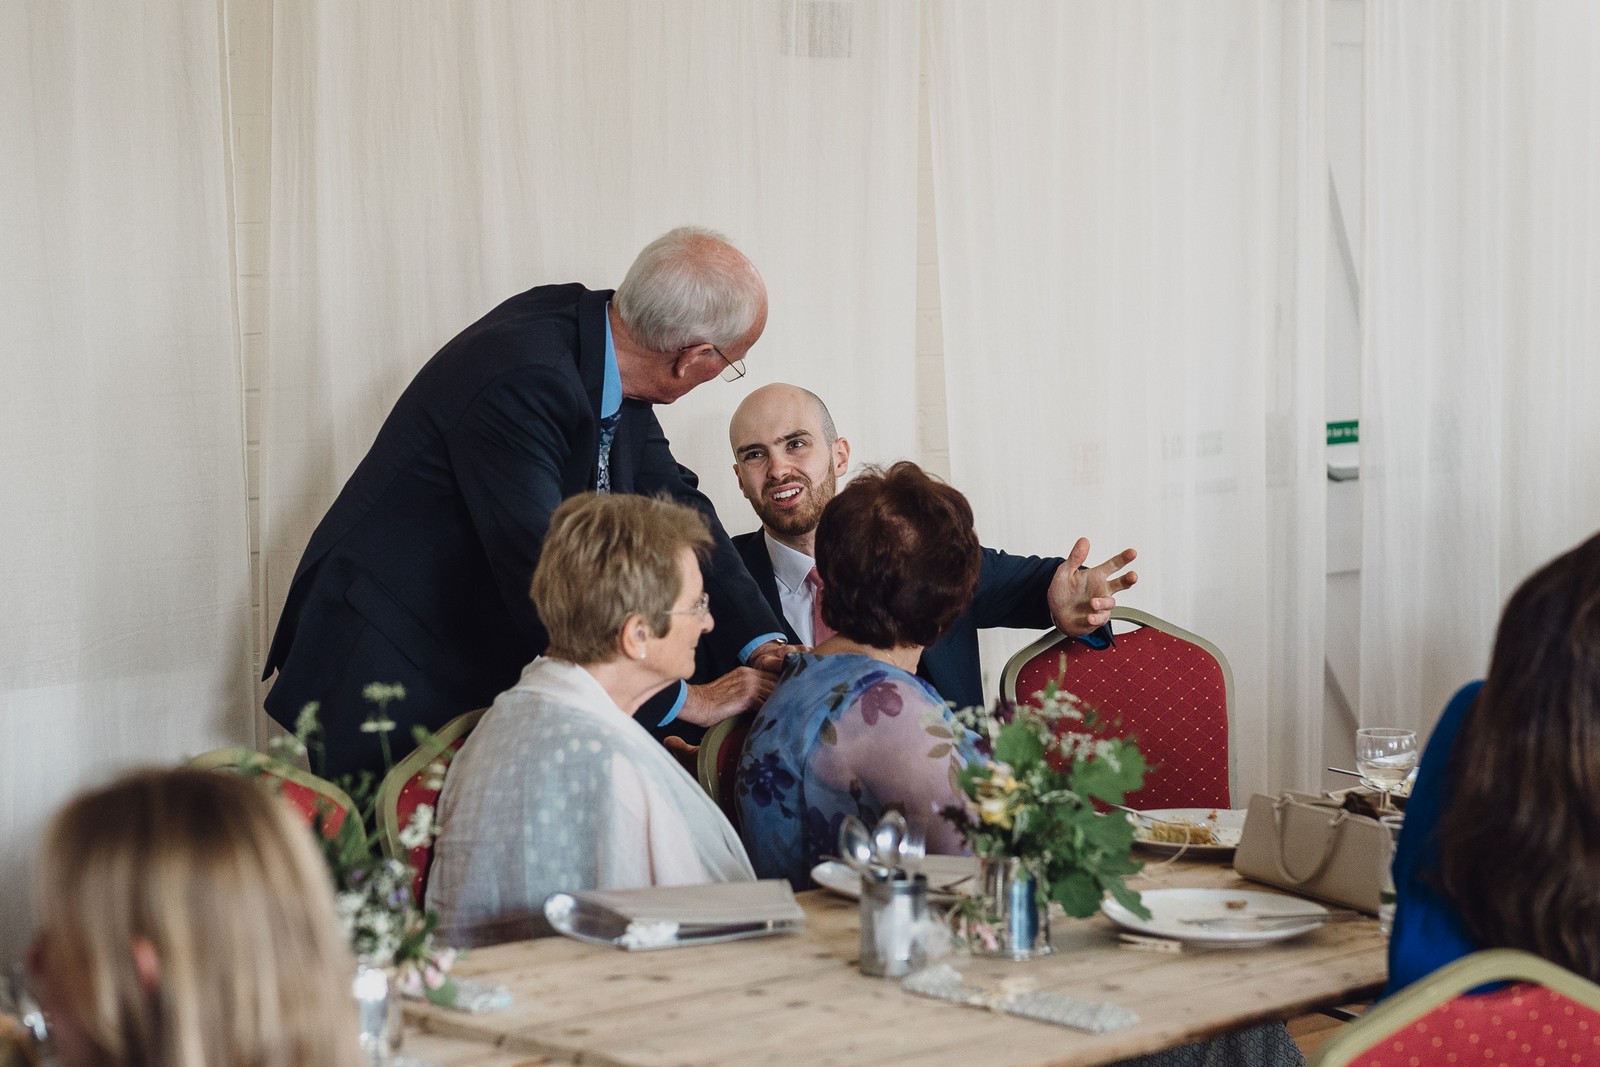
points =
(378, 1009)
(1021, 921)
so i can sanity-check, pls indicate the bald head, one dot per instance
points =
(771, 405)
(788, 458)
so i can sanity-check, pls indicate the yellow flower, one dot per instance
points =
(996, 811)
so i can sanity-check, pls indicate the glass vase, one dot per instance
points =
(1018, 920)
(378, 1008)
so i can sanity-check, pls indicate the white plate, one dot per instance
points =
(1226, 827)
(949, 877)
(1169, 907)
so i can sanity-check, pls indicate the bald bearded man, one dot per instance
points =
(789, 457)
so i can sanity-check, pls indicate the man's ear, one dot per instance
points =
(686, 359)
(146, 965)
(841, 456)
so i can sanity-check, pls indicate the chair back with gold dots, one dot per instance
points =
(1548, 1016)
(1167, 687)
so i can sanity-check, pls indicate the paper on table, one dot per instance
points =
(661, 916)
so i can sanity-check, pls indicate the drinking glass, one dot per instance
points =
(1392, 824)
(16, 998)
(1385, 756)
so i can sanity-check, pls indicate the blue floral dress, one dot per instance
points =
(845, 734)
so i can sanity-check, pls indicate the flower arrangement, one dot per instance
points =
(385, 926)
(1033, 797)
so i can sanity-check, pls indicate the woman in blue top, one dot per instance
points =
(1501, 846)
(850, 728)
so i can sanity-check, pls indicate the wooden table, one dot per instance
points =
(800, 999)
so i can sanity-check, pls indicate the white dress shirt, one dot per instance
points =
(790, 567)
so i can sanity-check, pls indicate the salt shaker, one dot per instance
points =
(894, 911)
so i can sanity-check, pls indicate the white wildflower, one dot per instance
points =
(419, 829)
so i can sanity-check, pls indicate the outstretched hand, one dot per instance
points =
(1081, 600)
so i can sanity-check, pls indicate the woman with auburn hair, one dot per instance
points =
(1501, 845)
(850, 728)
(558, 788)
(187, 920)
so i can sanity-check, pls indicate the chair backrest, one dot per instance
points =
(410, 784)
(1170, 688)
(1549, 1015)
(305, 792)
(717, 764)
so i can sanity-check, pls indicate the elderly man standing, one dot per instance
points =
(788, 458)
(419, 572)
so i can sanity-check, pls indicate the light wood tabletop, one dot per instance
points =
(801, 999)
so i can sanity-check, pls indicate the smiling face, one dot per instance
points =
(786, 466)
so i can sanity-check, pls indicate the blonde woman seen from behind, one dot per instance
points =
(186, 920)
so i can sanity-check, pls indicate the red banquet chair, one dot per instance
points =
(1169, 688)
(1549, 1016)
(409, 785)
(717, 763)
(305, 792)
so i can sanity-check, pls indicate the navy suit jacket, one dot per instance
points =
(1011, 592)
(419, 572)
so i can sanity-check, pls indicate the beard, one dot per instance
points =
(802, 519)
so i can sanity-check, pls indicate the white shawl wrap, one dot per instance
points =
(558, 789)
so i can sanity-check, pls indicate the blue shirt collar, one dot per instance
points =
(611, 385)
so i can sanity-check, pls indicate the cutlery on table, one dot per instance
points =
(1276, 918)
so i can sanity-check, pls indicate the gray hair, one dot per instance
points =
(688, 287)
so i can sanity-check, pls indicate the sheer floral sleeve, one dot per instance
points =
(845, 734)
(895, 746)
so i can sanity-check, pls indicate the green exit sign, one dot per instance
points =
(1343, 433)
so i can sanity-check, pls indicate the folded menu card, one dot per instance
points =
(666, 916)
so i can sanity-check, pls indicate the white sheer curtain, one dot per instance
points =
(125, 632)
(1131, 202)
(431, 159)
(1481, 366)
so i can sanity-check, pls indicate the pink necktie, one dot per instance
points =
(820, 631)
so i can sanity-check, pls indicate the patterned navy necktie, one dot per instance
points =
(608, 431)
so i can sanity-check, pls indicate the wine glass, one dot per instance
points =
(1385, 756)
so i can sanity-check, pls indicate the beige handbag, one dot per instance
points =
(1309, 845)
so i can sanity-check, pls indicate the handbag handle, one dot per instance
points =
(1336, 824)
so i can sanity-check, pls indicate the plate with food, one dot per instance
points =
(1221, 916)
(1200, 833)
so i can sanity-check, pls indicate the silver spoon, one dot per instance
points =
(887, 838)
(913, 847)
(855, 847)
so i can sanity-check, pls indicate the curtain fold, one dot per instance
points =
(125, 633)
(431, 159)
(1481, 347)
(1131, 210)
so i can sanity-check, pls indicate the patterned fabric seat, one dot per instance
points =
(1169, 688)
(311, 796)
(1549, 1017)
(411, 784)
(717, 762)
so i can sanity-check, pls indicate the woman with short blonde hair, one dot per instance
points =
(558, 788)
(186, 920)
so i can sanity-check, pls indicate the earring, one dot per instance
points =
(640, 656)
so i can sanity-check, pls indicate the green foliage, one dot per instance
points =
(1036, 799)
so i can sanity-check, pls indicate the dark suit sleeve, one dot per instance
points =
(511, 453)
(740, 610)
(1012, 591)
